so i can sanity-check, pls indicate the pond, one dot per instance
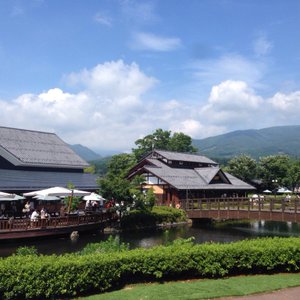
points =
(215, 232)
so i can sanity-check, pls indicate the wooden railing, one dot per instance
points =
(277, 209)
(13, 224)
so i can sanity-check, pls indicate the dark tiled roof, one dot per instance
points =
(187, 157)
(207, 173)
(196, 179)
(17, 180)
(35, 148)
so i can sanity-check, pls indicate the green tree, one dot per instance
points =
(294, 173)
(90, 169)
(143, 200)
(181, 142)
(120, 164)
(273, 170)
(71, 203)
(115, 185)
(163, 140)
(243, 167)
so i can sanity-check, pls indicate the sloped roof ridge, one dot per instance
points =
(177, 152)
(30, 130)
(184, 154)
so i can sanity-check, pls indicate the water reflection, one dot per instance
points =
(219, 232)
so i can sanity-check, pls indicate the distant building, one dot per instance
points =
(32, 160)
(178, 176)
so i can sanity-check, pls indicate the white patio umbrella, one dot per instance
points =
(6, 195)
(284, 190)
(94, 197)
(59, 191)
(11, 197)
(267, 191)
(46, 198)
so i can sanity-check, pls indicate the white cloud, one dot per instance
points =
(148, 41)
(262, 46)
(231, 103)
(228, 67)
(103, 18)
(286, 105)
(109, 111)
(138, 11)
(104, 114)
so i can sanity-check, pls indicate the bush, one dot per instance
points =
(109, 246)
(42, 277)
(165, 214)
(21, 251)
(158, 215)
(138, 218)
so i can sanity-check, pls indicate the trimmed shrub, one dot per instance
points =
(165, 214)
(43, 277)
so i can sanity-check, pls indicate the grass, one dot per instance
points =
(202, 289)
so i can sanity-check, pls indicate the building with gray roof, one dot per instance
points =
(176, 176)
(32, 160)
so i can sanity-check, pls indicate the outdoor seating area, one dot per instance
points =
(48, 203)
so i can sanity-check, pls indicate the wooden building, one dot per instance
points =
(32, 160)
(178, 176)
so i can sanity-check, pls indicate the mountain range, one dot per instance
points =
(85, 152)
(253, 142)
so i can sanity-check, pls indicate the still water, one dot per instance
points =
(220, 232)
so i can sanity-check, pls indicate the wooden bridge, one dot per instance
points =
(270, 209)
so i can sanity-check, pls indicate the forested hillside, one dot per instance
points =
(257, 143)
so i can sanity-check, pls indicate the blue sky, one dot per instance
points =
(105, 73)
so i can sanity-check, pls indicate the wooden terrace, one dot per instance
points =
(270, 209)
(24, 227)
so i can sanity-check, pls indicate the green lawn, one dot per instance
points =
(202, 289)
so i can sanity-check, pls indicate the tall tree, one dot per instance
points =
(114, 185)
(243, 167)
(163, 140)
(273, 170)
(294, 174)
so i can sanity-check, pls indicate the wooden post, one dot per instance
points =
(271, 205)
(295, 210)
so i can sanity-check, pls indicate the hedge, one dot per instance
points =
(42, 277)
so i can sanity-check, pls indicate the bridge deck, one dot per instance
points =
(271, 209)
